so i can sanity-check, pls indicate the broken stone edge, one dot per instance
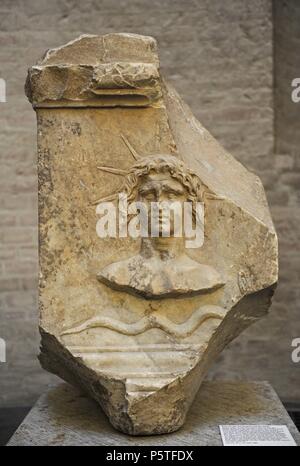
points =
(103, 79)
(164, 411)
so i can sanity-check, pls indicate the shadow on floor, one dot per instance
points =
(10, 419)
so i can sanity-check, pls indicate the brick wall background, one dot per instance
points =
(219, 56)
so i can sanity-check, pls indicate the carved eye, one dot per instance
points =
(149, 196)
(172, 196)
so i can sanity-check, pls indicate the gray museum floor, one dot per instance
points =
(63, 416)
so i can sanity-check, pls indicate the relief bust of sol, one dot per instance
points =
(162, 268)
(137, 322)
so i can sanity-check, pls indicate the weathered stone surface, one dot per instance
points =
(142, 359)
(105, 78)
(232, 97)
(62, 416)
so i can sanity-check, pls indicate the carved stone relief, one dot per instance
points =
(132, 308)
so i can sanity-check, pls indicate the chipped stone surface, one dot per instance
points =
(113, 79)
(234, 102)
(63, 416)
(122, 335)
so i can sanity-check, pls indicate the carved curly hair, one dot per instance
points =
(161, 163)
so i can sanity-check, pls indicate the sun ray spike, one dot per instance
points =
(111, 197)
(134, 153)
(115, 171)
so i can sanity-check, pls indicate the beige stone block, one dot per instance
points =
(136, 322)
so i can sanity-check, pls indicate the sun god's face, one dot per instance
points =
(162, 188)
(159, 187)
